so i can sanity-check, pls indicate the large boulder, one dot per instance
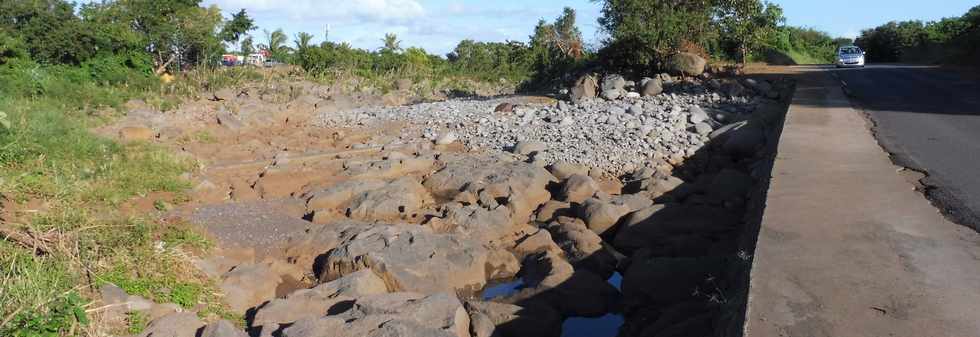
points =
(686, 64)
(520, 188)
(564, 170)
(318, 301)
(400, 199)
(613, 86)
(395, 314)
(222, 328)
(583, 247)
(600, 216)
(551, 280)
(658, 223)
(578, 188)
(585, 88)
(247, 286)
(476, 222)
(409, 258)
(370, 200)
(183, 324)
(730, 184)
(508, 320)
(652, 87)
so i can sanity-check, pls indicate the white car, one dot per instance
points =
(850, 56)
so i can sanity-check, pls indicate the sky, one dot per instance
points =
(438, 25)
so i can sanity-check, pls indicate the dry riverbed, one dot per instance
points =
(512, 216)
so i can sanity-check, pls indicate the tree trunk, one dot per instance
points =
(163, 67)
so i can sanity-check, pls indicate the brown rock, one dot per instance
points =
(136, 134)
(600, 216)
(184, 324)
(578, 188)
(504, 107)
(248, 286)
(501, 265)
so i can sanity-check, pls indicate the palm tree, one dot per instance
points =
(391, 42)
(276, 41)
(303, 41)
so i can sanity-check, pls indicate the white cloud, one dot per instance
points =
(331, 10)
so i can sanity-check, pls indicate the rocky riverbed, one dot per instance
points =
(618, 212)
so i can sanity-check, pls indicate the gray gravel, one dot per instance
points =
(614, 135)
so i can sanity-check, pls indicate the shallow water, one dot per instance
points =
(616, 280)
(503, 289)
(605, 326)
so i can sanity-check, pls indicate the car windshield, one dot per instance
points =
(850, 50)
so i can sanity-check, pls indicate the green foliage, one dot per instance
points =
(239, 24)
(801, 46)
(137, 322)
(746, 25)
(61, 316)
(946, 40)
(50, 29)
(644, 33)
(276, 44)
(247, 46)
(391, 43)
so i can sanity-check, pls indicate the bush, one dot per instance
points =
(953, 40)
(795, 45)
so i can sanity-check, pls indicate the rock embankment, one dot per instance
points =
(620, 210)
(617, 135)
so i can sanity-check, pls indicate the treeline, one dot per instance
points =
(97, 52)
(553, 50)
(644, 33)
(949, 40)
(796, 45)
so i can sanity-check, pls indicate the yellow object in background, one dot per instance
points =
(167, 78)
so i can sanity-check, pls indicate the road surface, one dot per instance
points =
(846, 246)
(929, 119)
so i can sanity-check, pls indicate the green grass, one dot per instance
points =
(805, 58)
(48, 156)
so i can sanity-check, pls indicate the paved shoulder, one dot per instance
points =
(847, 247)
(928, 118)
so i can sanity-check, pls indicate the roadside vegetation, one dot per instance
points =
(954, 40)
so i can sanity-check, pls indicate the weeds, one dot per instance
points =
(59, 254)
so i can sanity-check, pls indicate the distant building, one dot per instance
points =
(257, 59)
(231, 60)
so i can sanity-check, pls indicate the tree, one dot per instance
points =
(391, 43)
(239, 25)
(50, 29)
(276, 43)
(247, 46)
(644, 33)
(747, 24)
(178, 33)
(562, 36)
(303, 41)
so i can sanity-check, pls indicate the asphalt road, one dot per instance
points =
(928, 118)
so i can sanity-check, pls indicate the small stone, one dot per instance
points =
(447, 138)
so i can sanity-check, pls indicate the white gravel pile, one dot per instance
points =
(612, 135)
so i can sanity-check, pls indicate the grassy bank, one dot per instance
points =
(62, 234)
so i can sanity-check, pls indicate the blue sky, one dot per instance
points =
(438, 25)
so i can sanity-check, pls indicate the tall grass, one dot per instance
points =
(73, 238)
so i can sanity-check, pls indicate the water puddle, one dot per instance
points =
(605, 326)
(616, 280)
(502, 289)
